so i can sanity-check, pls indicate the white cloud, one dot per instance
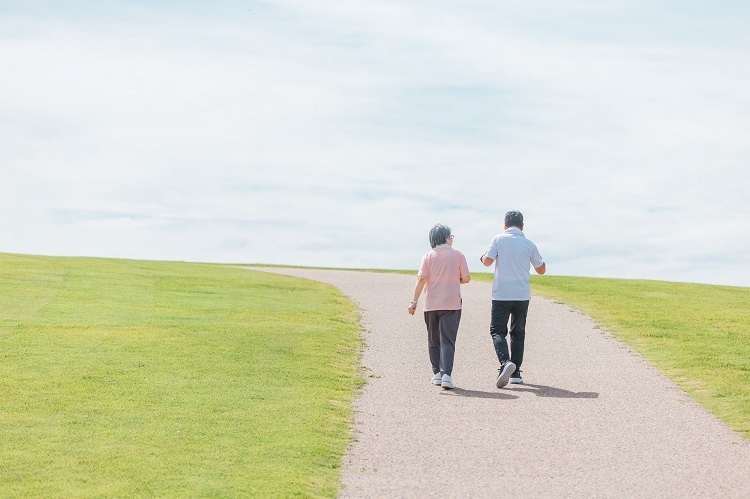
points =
(337, 133)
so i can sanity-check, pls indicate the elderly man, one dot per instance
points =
(512, 253)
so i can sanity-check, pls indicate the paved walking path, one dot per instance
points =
(592, 419)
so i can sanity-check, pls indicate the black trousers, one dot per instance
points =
(515, 311)
(442, 329)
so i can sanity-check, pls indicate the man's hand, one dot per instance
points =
(486, 261)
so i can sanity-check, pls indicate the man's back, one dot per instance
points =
(513, 254)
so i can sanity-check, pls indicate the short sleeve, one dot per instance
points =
(424, 267)
(492, 249)
(536, 258)
(463, 267)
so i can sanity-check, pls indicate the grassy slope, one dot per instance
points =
(170, 379)
(697, 334)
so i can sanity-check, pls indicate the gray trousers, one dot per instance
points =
(442, 328)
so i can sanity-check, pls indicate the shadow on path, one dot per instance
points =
(551, 391)
(461, 392)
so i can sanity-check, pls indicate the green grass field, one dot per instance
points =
(697, 334)
(132, 378)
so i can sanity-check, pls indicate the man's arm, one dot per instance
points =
(541, 269)
(486, 261)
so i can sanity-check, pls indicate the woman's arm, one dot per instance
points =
(421, 281)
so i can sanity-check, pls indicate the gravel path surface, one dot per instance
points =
(592, 418)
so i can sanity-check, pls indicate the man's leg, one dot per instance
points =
(518, 331)
(499, 328)
(433, 339)
(448, 331)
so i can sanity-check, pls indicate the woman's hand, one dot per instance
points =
(412, 307)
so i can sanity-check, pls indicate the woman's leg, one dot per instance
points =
(449, 320)
(433, 339)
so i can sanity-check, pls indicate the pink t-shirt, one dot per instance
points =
(443, 267)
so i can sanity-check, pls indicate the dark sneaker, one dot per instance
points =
(515, 378)
(503, 376)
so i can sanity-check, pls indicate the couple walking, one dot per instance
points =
(440, 276)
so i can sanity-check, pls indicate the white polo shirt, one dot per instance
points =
(513, 254)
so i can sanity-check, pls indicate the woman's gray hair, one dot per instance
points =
(439, 235)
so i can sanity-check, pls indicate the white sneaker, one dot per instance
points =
(437, 379)
(504, 375)
(516, 379)
(446, 382)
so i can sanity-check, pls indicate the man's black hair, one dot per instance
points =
(514, 219)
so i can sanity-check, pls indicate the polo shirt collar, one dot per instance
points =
(515, 231)
(444, 245)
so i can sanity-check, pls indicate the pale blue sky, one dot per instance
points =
(337, 133)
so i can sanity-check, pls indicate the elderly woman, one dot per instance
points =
(441, 274)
